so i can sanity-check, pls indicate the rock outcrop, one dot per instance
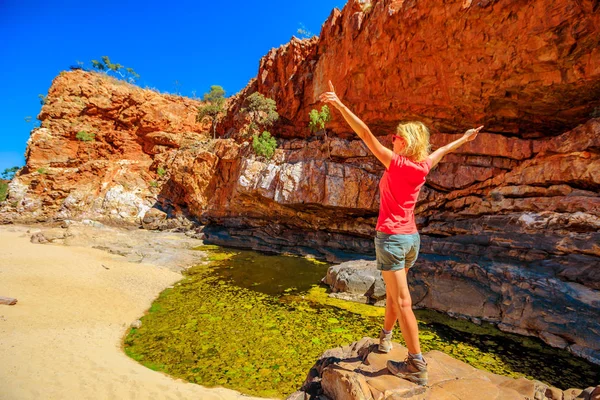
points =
(98, 149)
(358, 372)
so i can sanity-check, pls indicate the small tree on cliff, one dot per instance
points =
(318, 119)
(317, 122)
(9, 173)
(263, 114)
(262, 111)
(215, 109)
(117, 70)
(86, 137)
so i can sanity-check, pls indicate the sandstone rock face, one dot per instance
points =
(520, 68)
(112, 177)
(358, 372)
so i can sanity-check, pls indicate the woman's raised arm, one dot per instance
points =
(382, 153)
(437, 155)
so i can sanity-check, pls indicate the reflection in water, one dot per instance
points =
(270, 274)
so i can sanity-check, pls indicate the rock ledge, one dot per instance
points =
(358, 372)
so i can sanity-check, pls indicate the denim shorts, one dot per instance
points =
(395, 252)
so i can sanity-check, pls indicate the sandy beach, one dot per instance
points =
(62, 340)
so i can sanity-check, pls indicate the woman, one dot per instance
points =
(397, 241)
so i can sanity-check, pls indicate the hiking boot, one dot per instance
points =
(411, 369)
(385, 342)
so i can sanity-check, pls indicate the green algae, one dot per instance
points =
(257, 323)
(219, 335)
(320, 294)
(207, 247)
(315, 261)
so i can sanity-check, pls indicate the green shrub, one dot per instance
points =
(85, 136)
(264, 145)
(42, 170)
(319, 119)
(161, 171)
(154, 184)
(262, 111)
(317, 122)
(3, 191)
(216, 95)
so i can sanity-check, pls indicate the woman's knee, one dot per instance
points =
(403, 304)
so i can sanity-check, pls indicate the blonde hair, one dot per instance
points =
(416, 136)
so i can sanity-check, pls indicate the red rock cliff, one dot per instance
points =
(521, 68)
(114, 175)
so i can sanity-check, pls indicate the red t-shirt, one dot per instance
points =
(398, 192)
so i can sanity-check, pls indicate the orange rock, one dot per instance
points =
(108, 177)
(448, 379)
(452, 65)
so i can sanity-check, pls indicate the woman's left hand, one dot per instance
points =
(471, 134)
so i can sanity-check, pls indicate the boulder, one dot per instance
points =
(153, 219)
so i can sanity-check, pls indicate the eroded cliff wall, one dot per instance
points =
(520, 68)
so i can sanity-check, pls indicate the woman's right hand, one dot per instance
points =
(471, 134)
(330, 97)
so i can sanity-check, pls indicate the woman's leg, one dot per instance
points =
(391, 314)
(397, 288)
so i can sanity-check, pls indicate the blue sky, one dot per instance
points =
(196, 43)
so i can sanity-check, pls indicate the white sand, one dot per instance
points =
(62, 340)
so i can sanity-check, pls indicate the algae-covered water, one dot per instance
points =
(256, 323)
